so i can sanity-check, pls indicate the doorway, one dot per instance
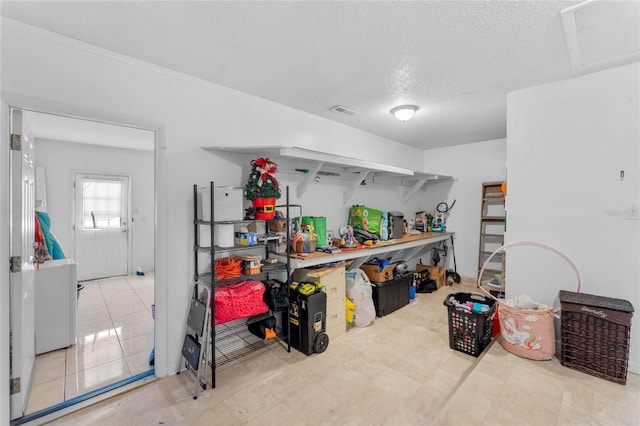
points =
(101, 226)
(105, 354)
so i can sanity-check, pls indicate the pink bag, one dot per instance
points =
(239, 300)
(526, 332)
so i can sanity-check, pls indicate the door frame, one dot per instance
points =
(162, 353)
(5, 398)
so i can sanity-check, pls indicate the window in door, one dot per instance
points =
(101, 204)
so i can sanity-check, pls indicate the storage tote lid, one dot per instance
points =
(595, 301)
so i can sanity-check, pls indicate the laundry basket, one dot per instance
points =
(526, 332)
(596, 335)
(470, 327)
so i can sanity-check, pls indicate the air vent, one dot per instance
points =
(343, 110)
(601, 33)
(333, 174)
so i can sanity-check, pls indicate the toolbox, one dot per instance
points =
(307, 317)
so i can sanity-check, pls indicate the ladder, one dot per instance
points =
(195, 349)
(492, 228)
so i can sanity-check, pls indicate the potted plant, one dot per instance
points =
(262, 188)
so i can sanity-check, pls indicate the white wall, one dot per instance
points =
(567, 143)
(62, 160)
(50, 72)
(326, 199)
(470, 165)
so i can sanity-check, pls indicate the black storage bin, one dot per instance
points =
(307, 315)
(389, 296)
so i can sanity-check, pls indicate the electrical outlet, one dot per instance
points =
(633, 211)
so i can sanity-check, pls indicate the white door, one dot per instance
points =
(22, 237)
(101, 226)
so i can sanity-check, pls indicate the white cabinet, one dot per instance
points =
(56, 295)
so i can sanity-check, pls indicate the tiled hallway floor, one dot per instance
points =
(398, 371)
(115, 336)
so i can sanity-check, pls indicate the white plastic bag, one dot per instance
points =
(360, 292)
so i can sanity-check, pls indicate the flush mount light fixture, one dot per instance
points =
(404, 112)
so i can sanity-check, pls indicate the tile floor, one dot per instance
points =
(398, 371)
(115, 337)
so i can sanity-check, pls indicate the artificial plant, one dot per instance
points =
(262, 182)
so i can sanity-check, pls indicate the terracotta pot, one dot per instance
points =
(265, 208)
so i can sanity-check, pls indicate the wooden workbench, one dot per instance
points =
(404, 248)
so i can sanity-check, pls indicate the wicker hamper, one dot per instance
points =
(595, 333)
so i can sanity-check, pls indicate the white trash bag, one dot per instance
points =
(360, 292)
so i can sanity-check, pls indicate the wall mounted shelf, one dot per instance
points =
(315, 164)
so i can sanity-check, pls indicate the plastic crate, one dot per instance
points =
(389, 296)
(469, 330)
(595, 335)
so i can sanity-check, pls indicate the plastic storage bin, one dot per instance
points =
(595, 334)
(389, 296)
(469, 329)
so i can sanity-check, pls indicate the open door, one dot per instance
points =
(22, 265)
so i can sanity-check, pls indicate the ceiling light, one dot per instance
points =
(404, 112)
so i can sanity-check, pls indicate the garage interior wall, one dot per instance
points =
(61, 160)
(51, 73)
(566, 147)
(470, 165)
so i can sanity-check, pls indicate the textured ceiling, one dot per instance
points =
(456, 60)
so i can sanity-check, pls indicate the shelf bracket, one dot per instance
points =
(308, 178)
(351, 190)
(409, 254)
(358, 262)
(415, 188)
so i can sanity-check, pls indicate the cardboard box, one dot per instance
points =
(436, 273)
(246, 238)
(251, 265)
(375, 275)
